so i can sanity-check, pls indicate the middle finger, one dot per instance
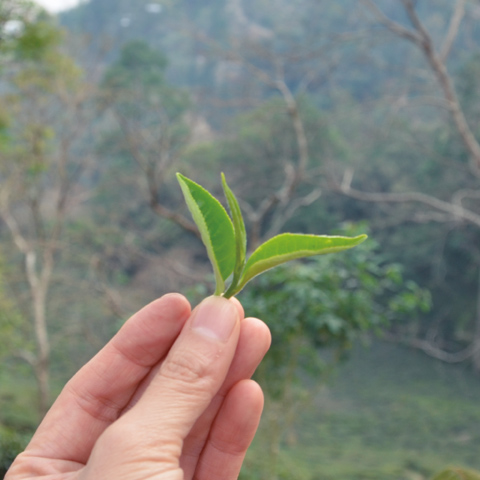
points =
(253, 343)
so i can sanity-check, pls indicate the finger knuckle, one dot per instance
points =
(189, 367)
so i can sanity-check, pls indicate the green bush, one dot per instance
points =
(457, 474)
(11, 444)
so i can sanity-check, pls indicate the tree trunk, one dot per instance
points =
(39, 294)
(476, 337)
(43, 384)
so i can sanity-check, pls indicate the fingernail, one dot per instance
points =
(215, 317)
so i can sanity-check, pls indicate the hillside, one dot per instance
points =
(389, 413)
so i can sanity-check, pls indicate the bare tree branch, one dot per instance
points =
(420, 29)
(394, 27)
(453, 28)
(300, 135)
(455, 211)
(19, 240)
(294, 171)
(422, 39)
(434, 351)
(152, 170)
(26, 356)
(294, 205)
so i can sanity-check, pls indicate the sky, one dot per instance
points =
(57, 5)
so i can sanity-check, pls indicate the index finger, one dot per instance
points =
(98, 393)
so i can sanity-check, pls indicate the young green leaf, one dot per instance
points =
(291, 246)
(240, 236)
(216, 229)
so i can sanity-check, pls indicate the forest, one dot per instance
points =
(345, 117)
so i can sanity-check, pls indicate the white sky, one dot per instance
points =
(57, 5)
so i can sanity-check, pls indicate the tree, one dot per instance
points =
(316, 310)
(150, 116)
(25, 31)
(40, 164)
(291, 171)
(250, 152)
(460, 209)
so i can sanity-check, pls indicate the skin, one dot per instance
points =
(168, 398)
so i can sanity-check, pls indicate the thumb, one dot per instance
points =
(190, 376)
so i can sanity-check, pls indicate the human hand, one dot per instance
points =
(168, 398)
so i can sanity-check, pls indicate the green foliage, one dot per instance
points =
(11, 444)
(27, 33)
(457, 474)
(227, 253)
(13, 327)
(150, 128)
(316, 309)
(135, 86)
(36, 40)
(138, 56)
(389, 413)
(328, 302)
(138, 65)
(35, 113)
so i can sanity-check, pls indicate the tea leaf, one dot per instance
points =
(240, 236)
(291, 246)
(216, 229)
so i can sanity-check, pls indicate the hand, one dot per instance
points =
(168, 398)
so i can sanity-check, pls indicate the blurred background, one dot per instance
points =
(327, 117)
